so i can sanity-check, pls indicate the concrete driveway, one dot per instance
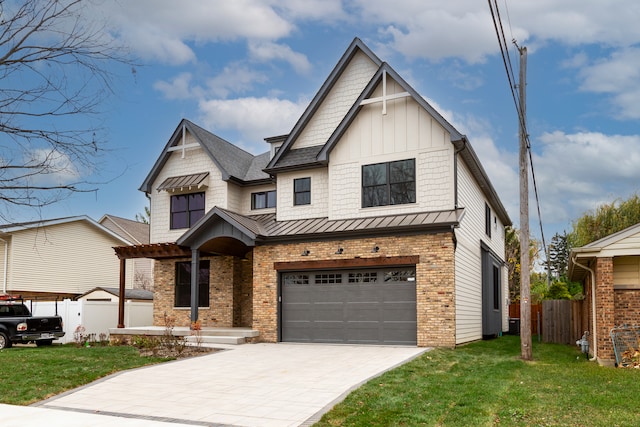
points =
(249, 385)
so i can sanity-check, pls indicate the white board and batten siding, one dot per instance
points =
(405, 132)
(71, 257)
(469, 258)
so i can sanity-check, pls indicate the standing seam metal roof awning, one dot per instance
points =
(176, 183)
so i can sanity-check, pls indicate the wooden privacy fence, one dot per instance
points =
(514, 312)
(561, 320)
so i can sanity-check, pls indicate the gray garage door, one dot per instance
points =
(357, 307)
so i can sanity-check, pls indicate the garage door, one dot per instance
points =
(356, 307)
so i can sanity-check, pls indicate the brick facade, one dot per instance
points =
(627, 307)
(434, 279)
(240, 296)
(605, 306)
(230, 293)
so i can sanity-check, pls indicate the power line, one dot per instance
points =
(497, 23)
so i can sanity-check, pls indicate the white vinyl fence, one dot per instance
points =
(95, 316)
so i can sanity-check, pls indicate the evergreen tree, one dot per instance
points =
(559, 255)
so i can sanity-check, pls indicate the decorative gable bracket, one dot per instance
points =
(384, 98)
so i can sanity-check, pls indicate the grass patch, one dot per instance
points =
(29, 374)
(487, 384)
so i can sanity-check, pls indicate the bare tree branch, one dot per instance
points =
(55, 73)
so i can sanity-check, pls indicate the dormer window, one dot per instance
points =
(186, 209)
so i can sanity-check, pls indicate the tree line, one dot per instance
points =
(549, 276)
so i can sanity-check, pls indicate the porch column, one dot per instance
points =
(605, 307)
(195, 281)
(123, 264)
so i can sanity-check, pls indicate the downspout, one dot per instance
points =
(455, 171)
(593, 307)
(6, 263)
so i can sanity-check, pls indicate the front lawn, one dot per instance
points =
(29, 374)
(487, 384)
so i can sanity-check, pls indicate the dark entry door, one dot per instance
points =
(374, 306)
(491, 294)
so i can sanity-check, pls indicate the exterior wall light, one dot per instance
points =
(339, 251)
(305, 252)
(375, 249)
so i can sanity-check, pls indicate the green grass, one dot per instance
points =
(487, 384)
(30, 374)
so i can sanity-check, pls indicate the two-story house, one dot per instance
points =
(371, 222)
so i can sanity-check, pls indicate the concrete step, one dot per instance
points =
(213, 339)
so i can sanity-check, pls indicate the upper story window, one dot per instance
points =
(302, 191)
(390, 183)
(263, 200)
(186, 209)
(487, 220)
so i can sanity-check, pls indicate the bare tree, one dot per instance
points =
(54, 76)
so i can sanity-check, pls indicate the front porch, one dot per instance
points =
(209, 336)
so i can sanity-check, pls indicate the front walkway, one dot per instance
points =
(249, 385)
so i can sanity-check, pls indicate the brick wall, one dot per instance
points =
(627, 307)
(605, 307)
(229, 282)
(434, 279)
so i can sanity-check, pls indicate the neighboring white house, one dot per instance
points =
(65, 257)
(371, 222)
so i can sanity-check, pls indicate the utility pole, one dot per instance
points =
(525, 279)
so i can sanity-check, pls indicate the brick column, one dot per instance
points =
(605, 307)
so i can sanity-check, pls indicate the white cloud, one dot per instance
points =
(160, 30)
(177, 88)
(58, 169)
(234, 78)
(253, 118)
(268, 51)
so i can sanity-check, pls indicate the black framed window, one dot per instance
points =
(496, 288)
(186, 209)
(263, 200)
(302, 191)
(487, 219)
(390, 183)
(183, 284)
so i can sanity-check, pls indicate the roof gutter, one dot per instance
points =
(593, 306)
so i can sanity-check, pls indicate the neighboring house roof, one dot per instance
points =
(622, 243)
(127, 228)
(233, 162)
(128, 293)
(16, 227)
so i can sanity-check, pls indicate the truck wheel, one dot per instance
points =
(41, 343)
(5, 342)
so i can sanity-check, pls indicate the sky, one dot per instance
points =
(246, 70)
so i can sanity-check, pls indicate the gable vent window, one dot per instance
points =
(263, 200)
(186, 210)
(391, 183)
(302, 191)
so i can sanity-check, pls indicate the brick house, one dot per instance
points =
(609, 270)
(372, 221)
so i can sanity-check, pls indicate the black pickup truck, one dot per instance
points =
(17, 325)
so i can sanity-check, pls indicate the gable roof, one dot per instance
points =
(292, 159)
(17, 227)
(611, 245)
(356, 46)
(233, 162)
(129, 229)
